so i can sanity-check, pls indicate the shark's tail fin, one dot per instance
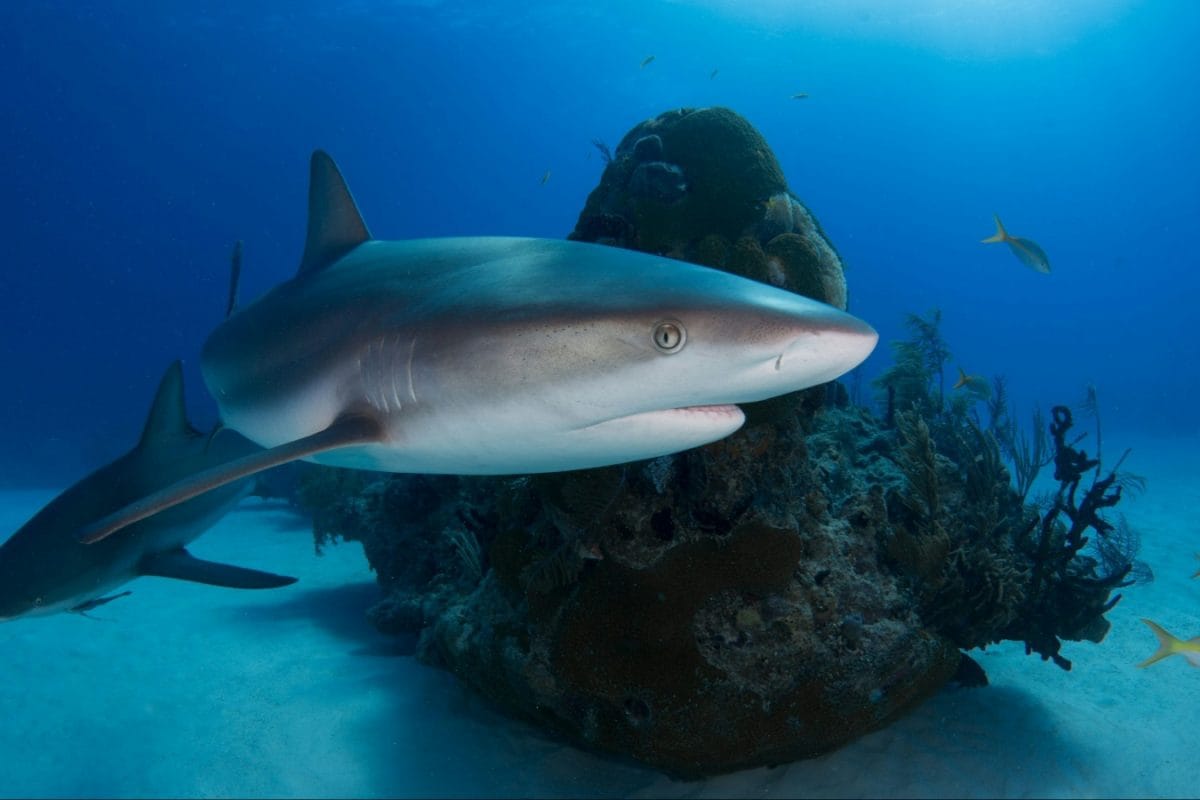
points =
(1168, 645)
(1001, 235)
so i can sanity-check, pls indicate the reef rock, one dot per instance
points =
(702, 185)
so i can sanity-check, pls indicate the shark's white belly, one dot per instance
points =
(506, 444)
(488, 440)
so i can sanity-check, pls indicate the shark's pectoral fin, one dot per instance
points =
(182, 565)
(344, 432)
(97, 602)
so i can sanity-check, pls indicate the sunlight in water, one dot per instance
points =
(981, 28)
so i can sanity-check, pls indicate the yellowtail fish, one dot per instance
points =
(1169, 645)
(1026, 250)
(545, 177)
(965, 379)
(646, 61)
(800, 96)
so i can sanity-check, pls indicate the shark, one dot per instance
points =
(44, 568)
(496, 355)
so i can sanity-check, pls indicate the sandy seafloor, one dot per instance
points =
(185, 690)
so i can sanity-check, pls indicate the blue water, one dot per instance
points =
(140, 140)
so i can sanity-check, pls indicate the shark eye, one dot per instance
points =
(669, 336)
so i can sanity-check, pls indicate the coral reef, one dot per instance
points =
(702, 185)
(985, 566)
(772, 595)
(701, 612)
(765, 598)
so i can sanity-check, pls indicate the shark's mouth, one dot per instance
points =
(723, 410)
(724, 417)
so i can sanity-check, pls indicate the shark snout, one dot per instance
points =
(820, 350)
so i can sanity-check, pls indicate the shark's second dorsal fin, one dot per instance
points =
(167, 421)
(334, 225)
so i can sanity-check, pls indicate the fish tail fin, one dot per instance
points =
(962, 379)
(1168, 645)
(1001, 234)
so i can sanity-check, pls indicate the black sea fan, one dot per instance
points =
(605, 153)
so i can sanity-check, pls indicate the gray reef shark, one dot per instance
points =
(45, 569)
(492, 356)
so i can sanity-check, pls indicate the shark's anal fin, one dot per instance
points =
(182, 565)
(343, 432)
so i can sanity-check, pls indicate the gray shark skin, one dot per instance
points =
(45, 569)
(492, 356)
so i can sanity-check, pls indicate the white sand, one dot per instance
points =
(186, 690)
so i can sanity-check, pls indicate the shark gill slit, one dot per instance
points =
(394, 373)
(364, 360)
(377, 375)
(371, 371)
(412, 349)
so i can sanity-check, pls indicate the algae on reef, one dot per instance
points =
(768, 597)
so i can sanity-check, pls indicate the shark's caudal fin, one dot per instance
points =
(167, 422)
(182, 565)
(334, 225)
(1001, 235)
(344, 432)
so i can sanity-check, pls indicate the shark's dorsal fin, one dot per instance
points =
(334, 225)
(167, 421)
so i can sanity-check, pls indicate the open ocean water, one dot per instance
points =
(141, 140)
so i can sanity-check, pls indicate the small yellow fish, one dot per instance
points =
(646, 61)
(1169, 645)
(1026, 250)
(545, 177)
(800, 96)
(964, 379)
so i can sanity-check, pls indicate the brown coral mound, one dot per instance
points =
(768, 597)
(702, 185)
(732, 619)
